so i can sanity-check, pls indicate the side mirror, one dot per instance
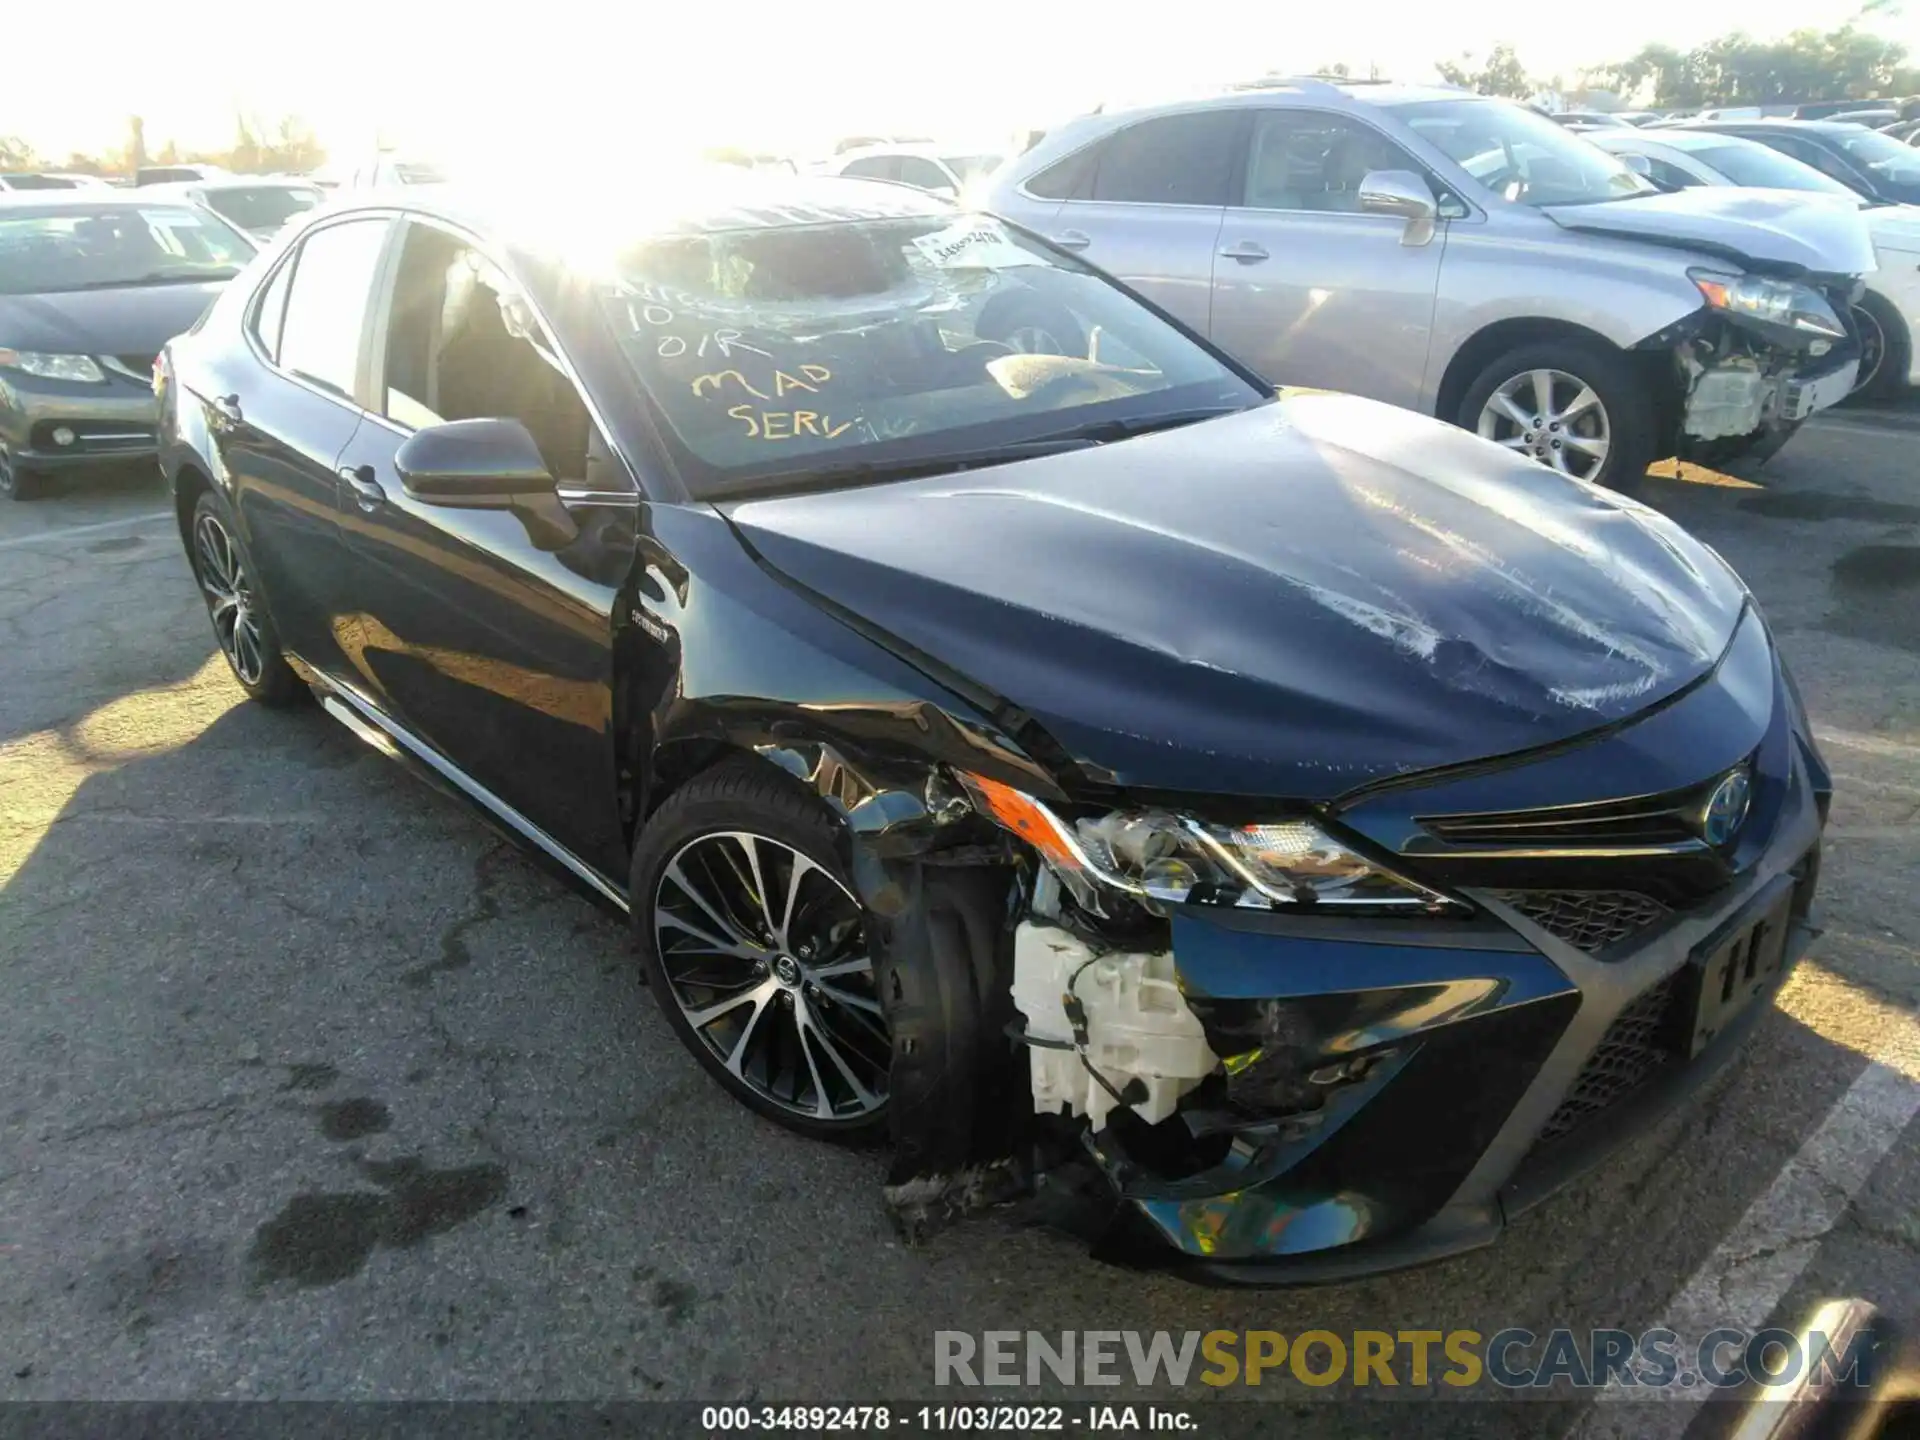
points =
(1638, 164)
(1397, 192)
(1402, 193)
(485, 465)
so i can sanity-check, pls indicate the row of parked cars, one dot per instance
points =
(1595, 300)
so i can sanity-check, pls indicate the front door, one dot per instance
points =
(483, 636)
(284, 416)
(1307, 288)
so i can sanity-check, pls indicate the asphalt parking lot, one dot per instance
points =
(311, 1087)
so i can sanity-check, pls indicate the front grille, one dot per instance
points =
(1590, 919)
(1667, 819)
(1637, 1046)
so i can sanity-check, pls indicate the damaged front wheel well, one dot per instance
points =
(1483, 348)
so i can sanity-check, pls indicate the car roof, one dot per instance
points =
(1783, 124)
(87, 197)
(712, 199)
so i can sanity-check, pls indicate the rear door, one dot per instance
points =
(1307, 288)
(1149, 207)
(490, 644)
(286, 414)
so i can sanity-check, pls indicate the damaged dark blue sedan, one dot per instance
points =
(1280, 837)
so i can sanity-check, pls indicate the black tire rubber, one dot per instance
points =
(17, 483)
(1630, 410)
(278, 686)
(743, 794)
(1005, 314)
(1891, 382)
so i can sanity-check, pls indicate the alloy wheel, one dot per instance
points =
(6, 471)
(1873, 348)
(765, 956)
(1553, 417)
(229, 596)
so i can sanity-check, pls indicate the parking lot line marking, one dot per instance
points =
(17, 541)
(1768, 1248)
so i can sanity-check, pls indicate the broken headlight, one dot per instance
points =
(1799, 313)
(1163, 855)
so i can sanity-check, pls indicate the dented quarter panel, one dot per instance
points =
(1288, 602)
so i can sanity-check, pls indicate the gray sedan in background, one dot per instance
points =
(1465, 257)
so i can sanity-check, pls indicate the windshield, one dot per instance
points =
(827, 353)
(262, 207)
(40, 182)
(1747, 163)
(1521, 155)
(81, 248)
(1885, 156)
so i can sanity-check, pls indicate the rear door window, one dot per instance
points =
(1171, 160)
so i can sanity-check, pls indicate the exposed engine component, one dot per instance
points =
(1104, 1030)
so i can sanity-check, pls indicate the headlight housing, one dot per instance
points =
(1781, 307)
(53, 367)
(1160, 855)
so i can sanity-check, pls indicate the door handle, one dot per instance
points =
(1072, 239)
(1247, 252)
(367, 493)
(227, 407)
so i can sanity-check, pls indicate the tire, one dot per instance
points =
(19, 483)
(1624, 408)
(1887, 344)
(1031, 326)
(242, 627)
(776, 1004)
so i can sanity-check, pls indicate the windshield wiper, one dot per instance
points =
(869, 472)
(1102, 432)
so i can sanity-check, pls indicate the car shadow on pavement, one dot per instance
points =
(316, 1086)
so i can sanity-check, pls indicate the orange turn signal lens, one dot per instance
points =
(1025, 817)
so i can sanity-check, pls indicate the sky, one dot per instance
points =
(585, 80)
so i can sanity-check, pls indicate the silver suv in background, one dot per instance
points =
(1465, 257)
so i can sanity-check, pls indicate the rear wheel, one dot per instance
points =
(757, 951)
(1574, 407)
(241, 624)
(16, 481)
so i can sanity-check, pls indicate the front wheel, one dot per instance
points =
(1573, 407)
(16, 481)
(758, 953)
(1884, 350)
(241, 624)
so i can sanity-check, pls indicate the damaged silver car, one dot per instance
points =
(1468, 258)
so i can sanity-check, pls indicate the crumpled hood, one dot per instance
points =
(1771, 228)
(1288, 602)
(126, 320)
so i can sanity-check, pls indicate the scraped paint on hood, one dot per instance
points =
(1291, 601)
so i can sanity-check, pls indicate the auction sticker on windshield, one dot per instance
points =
(973, 244)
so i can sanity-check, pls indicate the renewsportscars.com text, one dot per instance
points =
(1382, 1360)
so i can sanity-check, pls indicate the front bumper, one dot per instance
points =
(1500, 1060)
(113, 421)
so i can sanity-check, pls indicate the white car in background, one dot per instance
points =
(257, 204)
(943, 172)
(1887, 315)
